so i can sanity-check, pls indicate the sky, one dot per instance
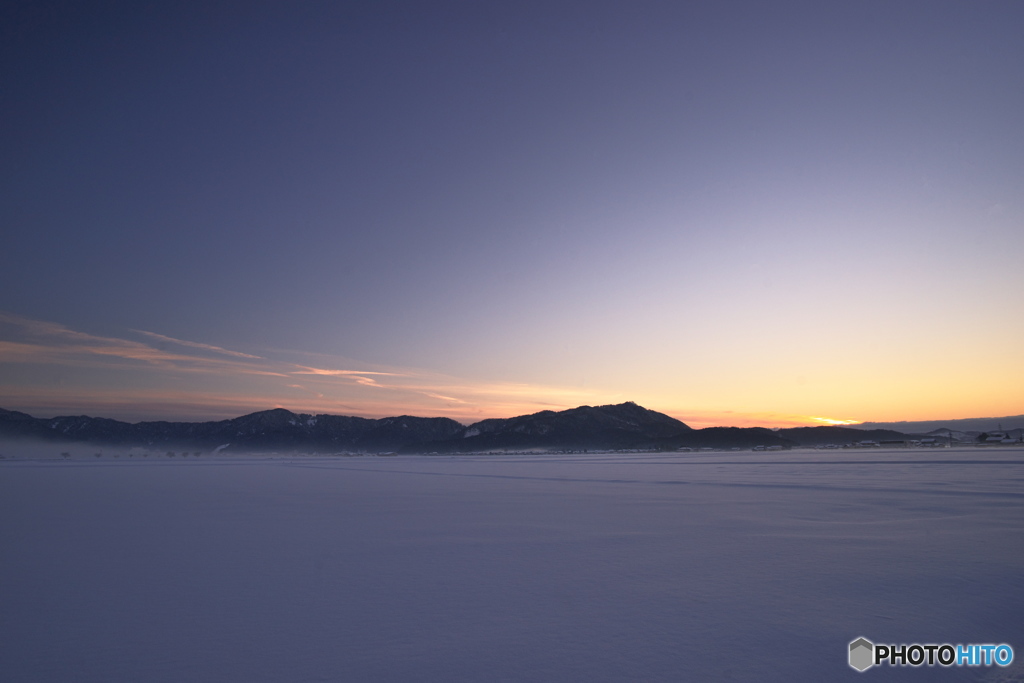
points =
(736, 213)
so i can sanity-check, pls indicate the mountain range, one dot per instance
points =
(276, 429)
(612, 427)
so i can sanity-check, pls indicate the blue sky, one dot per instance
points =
(737, 213)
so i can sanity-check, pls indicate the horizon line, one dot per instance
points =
(822, 422)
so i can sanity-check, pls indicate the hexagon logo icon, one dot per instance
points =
(862, 654)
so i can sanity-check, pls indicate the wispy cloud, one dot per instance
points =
(46, 342)
(197, 345)
(52, 339)
(443, 398)
(340, 373)
(72, 348)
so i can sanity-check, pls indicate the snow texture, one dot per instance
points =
(709, 567)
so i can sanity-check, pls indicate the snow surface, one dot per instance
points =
(681, 567)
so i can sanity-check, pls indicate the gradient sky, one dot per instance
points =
(732, 212)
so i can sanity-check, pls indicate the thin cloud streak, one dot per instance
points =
(443, 398)
(110, 351)
(84, 343)
(78, 354)
(197, 345)
(339, 373)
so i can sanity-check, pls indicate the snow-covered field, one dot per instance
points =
(682, 567)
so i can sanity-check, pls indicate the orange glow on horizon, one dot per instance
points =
(728, 418)
(835, 423)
